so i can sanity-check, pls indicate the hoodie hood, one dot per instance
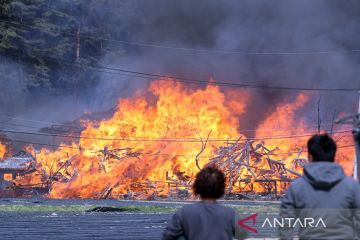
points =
(323, 175)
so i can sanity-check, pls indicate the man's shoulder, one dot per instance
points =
(226, 208)
(190, 207)
(351, 182)
(193, 207)
(298, 183)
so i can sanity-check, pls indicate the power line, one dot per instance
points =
(36, 128)
(197, 50)
(50, 145)
(19, 125)
(151, 154)
(198, 81)
(217, 83)
(137, 139)
(146, 75)
(38, 121)
(74, 126)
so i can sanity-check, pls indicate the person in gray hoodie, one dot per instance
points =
(323, 192)
(206, 219)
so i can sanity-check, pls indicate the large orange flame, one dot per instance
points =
(3, 150)
(163, 137)
(157, 134)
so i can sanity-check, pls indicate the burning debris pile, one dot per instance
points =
(250, 171)
(154, 143)
(14, 169)
(250, 167)
(5, 146)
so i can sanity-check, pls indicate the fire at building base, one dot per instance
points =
(259, 182)
(16, 167)
(154, 143)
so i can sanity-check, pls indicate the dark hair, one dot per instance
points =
(322, 148)
(209, 183)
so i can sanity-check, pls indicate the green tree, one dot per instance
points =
(49, 39)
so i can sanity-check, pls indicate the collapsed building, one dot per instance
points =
(251, 170)
(252, 167)
(148, 151)
(16, 167)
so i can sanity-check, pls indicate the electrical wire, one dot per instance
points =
(196, 81)
(79, 148)
(140, 74)
(197, 50)
(74, 126)
(138, 139)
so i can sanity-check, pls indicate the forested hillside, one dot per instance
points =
(89, 53)
(54, 44)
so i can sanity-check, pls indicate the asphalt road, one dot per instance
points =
(84, 225)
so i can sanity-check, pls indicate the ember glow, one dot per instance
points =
(156, 135)
(2, 150)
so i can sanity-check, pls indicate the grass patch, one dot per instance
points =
(139, 209)
(258, 209)
(44, 208)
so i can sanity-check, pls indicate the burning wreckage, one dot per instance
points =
(250, 169)
(16, 167)
(151, 148)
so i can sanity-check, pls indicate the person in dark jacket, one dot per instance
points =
(206, 219)
(323, 192)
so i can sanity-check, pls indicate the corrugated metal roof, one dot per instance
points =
(16, 163)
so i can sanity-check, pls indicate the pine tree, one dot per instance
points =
(54, 40)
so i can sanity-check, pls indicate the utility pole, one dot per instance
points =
(78, 69)
(357, 143)
(355, 121)
(78, 43)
